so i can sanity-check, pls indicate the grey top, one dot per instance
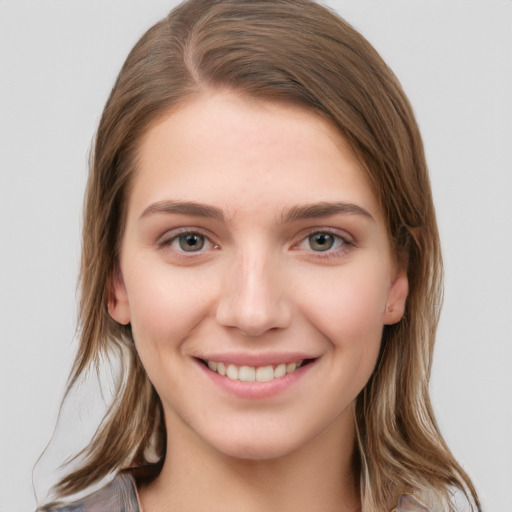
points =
(120, 495)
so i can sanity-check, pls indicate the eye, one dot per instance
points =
(324, 242)
(186, 242)
(321, 241)
(191, 242)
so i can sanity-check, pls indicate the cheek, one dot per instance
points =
(348, 314)
(349, 309)
(165, 304)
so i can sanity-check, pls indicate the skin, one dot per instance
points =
(254, 284)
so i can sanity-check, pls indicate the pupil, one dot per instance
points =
(191, 242)
(321, 241)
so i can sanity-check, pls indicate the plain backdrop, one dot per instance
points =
(58, 61)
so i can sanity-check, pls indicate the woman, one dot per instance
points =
(260, 248)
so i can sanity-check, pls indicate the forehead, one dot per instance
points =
(223, 148)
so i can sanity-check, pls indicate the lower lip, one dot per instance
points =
(255, 390)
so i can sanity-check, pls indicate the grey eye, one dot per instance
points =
(321, 241)
(191, 242)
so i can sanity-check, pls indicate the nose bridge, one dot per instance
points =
(253, 296)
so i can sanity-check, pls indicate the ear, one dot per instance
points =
(118, 304)
(397, 296)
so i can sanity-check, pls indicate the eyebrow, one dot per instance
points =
(323, 209)
(295, 213)
(185, 208)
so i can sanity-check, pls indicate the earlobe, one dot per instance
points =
(395, 307)
(118, 305)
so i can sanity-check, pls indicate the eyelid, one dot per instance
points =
(348, 241)
(336, 232)
(171, 235)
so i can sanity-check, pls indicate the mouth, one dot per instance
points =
(245, 373)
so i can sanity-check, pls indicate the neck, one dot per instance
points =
(319, 476)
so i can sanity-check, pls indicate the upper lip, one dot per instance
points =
(254, 359)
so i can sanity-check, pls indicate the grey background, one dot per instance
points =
(58, 62)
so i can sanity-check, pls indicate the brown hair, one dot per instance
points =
(292, 51)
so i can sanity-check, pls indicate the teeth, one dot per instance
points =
(232, 372)
(253, 374)
(291, 367)
(280, 371)
(221, 368)
(247, 374)
(265, 373)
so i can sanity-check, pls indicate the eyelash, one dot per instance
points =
(170, 238)
(344, 243)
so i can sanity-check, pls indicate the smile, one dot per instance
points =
(253, 373)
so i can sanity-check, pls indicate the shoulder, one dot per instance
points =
(462, 503)
(457, 502)
(119, 495)
(410, 503)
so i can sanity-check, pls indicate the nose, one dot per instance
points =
(253, 296)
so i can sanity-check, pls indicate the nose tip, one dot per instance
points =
(251, 319)
(253, 300)
(255, 325)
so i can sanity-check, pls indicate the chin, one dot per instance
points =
(257, 447)
(250, 452)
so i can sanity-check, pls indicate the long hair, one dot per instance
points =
(300, 53)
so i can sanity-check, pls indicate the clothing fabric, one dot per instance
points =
(121, 496)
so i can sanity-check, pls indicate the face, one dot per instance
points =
(256, 274)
